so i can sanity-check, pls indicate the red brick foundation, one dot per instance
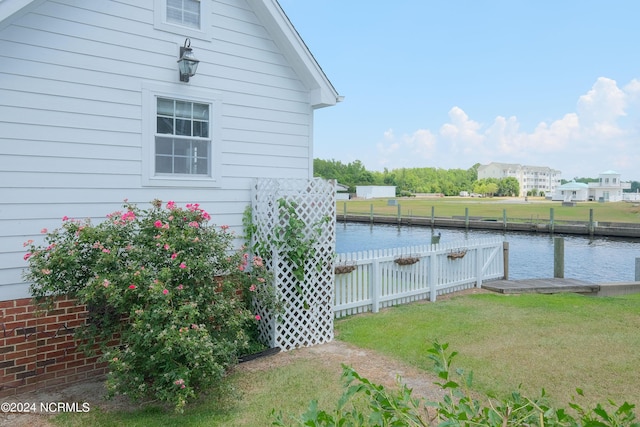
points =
(38, 352)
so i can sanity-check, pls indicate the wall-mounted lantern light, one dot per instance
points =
(187, 64)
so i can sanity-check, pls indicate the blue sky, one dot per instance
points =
(451, 83)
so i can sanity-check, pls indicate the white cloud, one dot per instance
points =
(420, 145)
(601, 134)
(463, 134)
(604, 103)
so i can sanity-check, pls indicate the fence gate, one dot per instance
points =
(276, 203)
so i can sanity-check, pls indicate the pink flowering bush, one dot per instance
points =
(164, 281)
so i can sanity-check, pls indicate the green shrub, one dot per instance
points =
(167, 285)
(364, 403)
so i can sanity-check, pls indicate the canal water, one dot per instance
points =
(594, 260)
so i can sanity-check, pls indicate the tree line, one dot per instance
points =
(409, 181)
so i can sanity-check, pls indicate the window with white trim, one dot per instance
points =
(187, 18)
(182, 138)
(184, 12)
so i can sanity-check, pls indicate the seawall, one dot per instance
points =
(579, 228)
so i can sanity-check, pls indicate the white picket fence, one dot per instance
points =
(368, 281)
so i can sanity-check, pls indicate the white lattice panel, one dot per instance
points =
(308, 316)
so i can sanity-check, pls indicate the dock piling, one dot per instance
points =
(558, 257)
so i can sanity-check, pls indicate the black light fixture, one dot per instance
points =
(187, 64)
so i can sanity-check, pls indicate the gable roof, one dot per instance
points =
(287, 37)
(275, 20)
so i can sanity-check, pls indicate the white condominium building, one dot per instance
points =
(540, 178)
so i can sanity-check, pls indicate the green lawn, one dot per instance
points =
(535, 209)
(558, 342)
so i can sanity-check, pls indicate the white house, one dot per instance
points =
(375, 191)
(93, 110)
(540, 178)
(608, 188)
(572, 192)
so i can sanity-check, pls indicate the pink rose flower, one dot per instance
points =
(258, 317)
(27, 256)
(132, 286)
(174, 255)
(183, 265)
(157, 224)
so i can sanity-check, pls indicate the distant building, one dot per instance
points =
(375, 191)
(572, 192)
(342, 192)
(609, 188)
(540, 178)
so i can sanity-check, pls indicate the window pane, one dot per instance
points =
(183, 127)
(201, 111)
(174, 15)
(181, 148)
(192, 6)
(201, 167)
(180, 165)
(201, 129)
(164, 146)
(183, 109)
(163, 164)
(201, 148)
(165, 125)
(165, 107)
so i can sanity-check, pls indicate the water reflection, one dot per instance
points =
(531, 255)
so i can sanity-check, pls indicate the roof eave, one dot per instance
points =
(11, 8)
(322, 92)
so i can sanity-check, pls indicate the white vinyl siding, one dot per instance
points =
(79, 118)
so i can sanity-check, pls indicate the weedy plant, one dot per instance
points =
(364, 403)
(170, 287)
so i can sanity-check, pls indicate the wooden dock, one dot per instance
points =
(542, 286)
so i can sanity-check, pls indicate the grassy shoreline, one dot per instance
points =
(494, 208)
